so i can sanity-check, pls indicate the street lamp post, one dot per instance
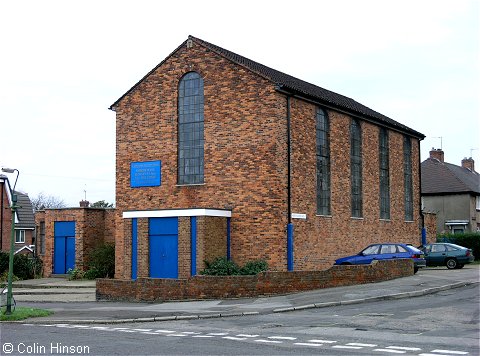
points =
(8, 311)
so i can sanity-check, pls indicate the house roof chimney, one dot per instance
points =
(84, 203)
(437, 154)
(468, 163)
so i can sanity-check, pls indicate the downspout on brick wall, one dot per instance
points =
(422, 218)
(289, 193)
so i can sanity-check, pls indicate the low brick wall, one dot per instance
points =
(263, 284)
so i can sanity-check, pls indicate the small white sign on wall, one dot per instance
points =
(299, 216)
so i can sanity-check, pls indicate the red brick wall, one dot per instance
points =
(241, 111)
(246, 166)
(91, 227)
(263, 284)
(7, 219)
(431, 226)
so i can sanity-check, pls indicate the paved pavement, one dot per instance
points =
(74, 301)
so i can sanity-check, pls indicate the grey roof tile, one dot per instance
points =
(298, 86)
(446, 178)
(26, 218)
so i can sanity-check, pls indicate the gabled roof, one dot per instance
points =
(290, 84)
(26, 218)
(446, 178)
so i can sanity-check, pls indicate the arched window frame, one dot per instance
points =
(356, 168)
(408, 177)
(191, 139)
(322, 124)
(384, 173)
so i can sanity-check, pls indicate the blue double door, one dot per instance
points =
(64, 246)
(163, 247)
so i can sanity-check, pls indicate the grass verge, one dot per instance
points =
(22, 313)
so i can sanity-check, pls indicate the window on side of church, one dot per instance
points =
(323, 162)
(190, 130)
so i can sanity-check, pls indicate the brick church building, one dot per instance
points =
(218, 155)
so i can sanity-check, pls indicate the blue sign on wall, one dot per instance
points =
(145, 174)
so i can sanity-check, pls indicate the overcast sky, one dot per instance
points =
(63, 63)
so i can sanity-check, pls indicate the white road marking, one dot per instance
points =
(269, 341)
(190, 333)
(179, 335)
(428, 354)
(150, 333)
(362, 345)
(322, 341)
(164, 331)
(100, 328)
(307, 344)
(205, 336)
(347, 347)
(282, 338)
(234, 338)
(247, 335)
(142, 329)
(218, 334)
(392, 351)
(450, 352)
(404, 348)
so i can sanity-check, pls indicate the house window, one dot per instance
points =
(19, 236)
(356, 167)
(323, 162)
(190, 129)
(384, 174)
(408, 181)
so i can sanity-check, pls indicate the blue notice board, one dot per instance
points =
(145, 174)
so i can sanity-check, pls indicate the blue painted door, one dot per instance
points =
(163, 249)
(64, 246)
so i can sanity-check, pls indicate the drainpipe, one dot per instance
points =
(289, 194)
(422, 218)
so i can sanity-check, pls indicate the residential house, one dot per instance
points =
(452, 192)
(219, 155)
(24, 239)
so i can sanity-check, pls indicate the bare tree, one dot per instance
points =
(102, 204)
(42, 201)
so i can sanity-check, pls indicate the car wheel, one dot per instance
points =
(451, 263)
(415, 270)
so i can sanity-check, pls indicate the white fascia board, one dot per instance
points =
(175, 213)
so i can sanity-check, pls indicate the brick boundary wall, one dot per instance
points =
(263, 284)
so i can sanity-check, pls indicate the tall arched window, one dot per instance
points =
(384, 174)
(408, 177)
(190, 129)
(356, 168)
(323, 162)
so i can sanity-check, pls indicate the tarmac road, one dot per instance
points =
(67, 299)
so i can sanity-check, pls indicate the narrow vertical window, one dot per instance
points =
(408, 180)
(42, 237)
(384, 174)
(323, 162)
(356, 168)
(190, 129)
